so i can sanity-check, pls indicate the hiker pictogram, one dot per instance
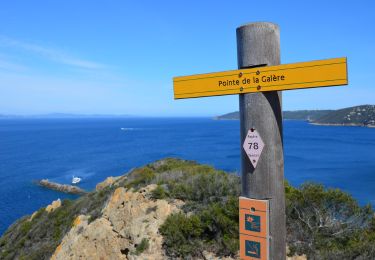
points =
(252, 222)
(252, 249)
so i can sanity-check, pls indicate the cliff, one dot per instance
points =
(177, 209)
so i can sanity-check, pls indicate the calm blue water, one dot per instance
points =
(57, 149)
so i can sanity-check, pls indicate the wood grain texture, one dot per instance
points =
(259, 43)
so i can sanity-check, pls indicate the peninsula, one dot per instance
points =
(363, 115)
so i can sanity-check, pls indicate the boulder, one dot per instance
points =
(107, 182)
(129, 219)
(54, 205)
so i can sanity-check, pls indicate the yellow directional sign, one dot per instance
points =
(321, 73)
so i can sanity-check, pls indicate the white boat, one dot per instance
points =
(76, 180)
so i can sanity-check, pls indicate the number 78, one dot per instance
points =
(254, 145)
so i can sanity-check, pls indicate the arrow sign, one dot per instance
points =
(253, 146)
(322, 73)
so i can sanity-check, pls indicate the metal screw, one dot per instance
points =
(240, 75)
(252, 129)
(252, 209)
(258, 72)
(259, 87)
(241, 88)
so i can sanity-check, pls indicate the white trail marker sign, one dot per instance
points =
(253, 146)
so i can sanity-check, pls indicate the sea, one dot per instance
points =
(93, 149)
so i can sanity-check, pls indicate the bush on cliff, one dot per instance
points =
(38, 238)
(211, 199)
(328, 224)
(321, 223)
(213, 229)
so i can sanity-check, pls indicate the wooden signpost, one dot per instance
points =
(259, 82)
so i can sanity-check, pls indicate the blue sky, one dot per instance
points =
(119, 57)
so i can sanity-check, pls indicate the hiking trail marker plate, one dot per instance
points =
(311, 74)
(253, 146)
(254, 228)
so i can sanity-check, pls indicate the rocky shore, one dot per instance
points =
(61, 187)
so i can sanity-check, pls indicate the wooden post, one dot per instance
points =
(259, 43)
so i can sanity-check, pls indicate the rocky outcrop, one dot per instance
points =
(54, 205)
(50, 208)
(61, 187)
(90, 241)
(129, 220)
(107, 182)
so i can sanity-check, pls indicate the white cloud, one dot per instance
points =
(55, 55)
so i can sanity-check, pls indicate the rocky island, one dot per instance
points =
(363, 115)
(60, 187)
(178, 209)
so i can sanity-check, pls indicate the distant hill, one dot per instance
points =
(363, 115)
(358, 116)
(305, 114)
(62, 115)
(229, 116)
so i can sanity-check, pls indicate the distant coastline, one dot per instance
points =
(363, 115)
(331, 124)
(62, 116)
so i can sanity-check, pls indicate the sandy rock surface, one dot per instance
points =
(54, 205)
(128, 218)
(107, 182)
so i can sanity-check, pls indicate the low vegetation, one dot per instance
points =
(321, 223)
(328, 224)
(38, 238)
(142, 247)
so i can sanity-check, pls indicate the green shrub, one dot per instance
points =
(142, 246)
(213, 229)
(39, 213)
(327, 223)
(186, 180)
(181, 235)
(159, 193)
(25, 227)
(140, 177)
(170, 164)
